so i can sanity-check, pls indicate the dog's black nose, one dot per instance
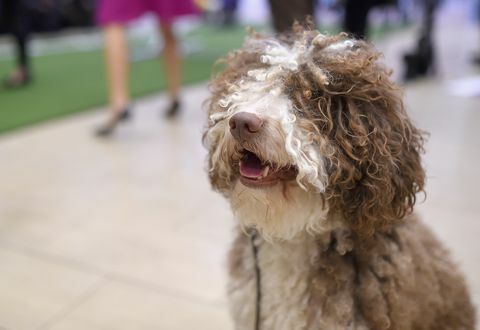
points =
(244, 125)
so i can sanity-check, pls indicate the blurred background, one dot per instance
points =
(121, 230)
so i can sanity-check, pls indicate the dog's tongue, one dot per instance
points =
(251, 166)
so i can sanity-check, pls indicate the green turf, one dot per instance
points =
(69, 83)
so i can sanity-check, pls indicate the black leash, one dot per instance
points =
(253, 236)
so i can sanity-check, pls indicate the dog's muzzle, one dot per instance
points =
(245, 125)
(254, 171)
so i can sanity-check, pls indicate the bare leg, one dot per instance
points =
(116, 62)
(172, 64)
(117, 70)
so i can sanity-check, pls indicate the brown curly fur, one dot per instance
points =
(375, 169)
(387, 271)
(404, 280)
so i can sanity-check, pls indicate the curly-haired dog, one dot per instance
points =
(309, 140)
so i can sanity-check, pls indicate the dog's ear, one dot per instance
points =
(375, 171)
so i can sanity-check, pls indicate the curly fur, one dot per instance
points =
(332, 113)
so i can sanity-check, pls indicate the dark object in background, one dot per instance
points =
(77, 13)
(229, 9)
(476, 59)
(421, 61)
(476, 56)
(355, 19)
(286, 12)
(44, 15)
(55, 15)
(356, 15)
(21, 18)
(15, 20)
(50, 15)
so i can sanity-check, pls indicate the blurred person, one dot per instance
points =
(113, 16)
(15, 16)
(476, 57)
(356, 17)
(286, 12)
(229, 8)
(421, 61)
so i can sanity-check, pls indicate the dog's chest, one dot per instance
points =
(285, 270)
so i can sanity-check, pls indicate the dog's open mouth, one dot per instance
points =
(255, 172)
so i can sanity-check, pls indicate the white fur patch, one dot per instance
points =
(286, 273)
(285, 277)
(278, 213)
(341, 46)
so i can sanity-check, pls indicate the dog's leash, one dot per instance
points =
(253, 236)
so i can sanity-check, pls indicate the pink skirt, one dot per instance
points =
(123, 11)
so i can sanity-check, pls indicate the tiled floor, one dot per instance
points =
(120, 234)
(126, 234)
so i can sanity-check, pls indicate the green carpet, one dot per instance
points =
(69, 83)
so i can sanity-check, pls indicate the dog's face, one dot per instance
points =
(307, 127)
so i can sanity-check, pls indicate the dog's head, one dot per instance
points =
(310, 127)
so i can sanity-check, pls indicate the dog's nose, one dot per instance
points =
(244, 125)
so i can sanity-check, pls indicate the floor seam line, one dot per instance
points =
(77, 302)
(114, 276)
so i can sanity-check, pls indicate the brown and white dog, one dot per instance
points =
(309, 140)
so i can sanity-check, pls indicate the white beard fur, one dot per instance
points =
(285, 270)
(279, 212)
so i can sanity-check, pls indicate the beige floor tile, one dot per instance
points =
(33, 291)
(119, 306)
(177, 261)
(136, 208)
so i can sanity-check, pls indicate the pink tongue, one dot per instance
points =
(251, 166)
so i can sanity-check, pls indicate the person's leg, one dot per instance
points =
(117, 72)
(22, 53)
(116, 63)
(172, 64)
(476, 57)
(356, 17)
(19, 26)
(286, 12)
(229, 7)
(22, 35)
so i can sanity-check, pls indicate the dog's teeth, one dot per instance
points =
(265, 171)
